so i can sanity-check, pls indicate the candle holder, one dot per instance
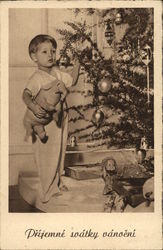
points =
(73, 141)
(146, 57)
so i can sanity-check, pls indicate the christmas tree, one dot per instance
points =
(121, 85)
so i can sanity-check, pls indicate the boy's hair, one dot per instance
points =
(38, 40)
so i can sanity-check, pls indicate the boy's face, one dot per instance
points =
(45, 56)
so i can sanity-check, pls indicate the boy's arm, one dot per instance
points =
(35, 108)
(62, 89)
(75, 72)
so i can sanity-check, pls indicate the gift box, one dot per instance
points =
(83, 172)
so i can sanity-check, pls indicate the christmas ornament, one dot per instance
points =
(118, 19)
(144, 143)
(109, 33)
(98, 117)
(141, 154)
(64, 60)
(82, 69)
(95, 56)
(105, 85)
(73, 141)
(146, 57)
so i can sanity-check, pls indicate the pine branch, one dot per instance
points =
(129, 98)
(80, 130)
(75, 119)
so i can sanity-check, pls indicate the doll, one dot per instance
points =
(49, 98)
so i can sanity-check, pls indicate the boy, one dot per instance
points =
(45, 92)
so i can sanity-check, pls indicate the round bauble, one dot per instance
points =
(98, 117)
(105, 85)
(118, 19)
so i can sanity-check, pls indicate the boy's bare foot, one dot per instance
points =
(44, 139)
(57, 194)
(54, 195)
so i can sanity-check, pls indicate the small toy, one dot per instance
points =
(148, 191)
(48, 98)
(109, 171)
(115, 202)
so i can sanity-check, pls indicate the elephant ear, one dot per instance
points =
(50, 85)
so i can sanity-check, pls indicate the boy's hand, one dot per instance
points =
(32, 105)
(63, 95)
(38, 111)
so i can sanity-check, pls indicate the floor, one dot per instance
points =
(77, 199)
(83, 196)
(17, 204)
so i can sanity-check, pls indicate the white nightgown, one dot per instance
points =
(49, 157)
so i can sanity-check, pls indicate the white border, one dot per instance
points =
(148, 226)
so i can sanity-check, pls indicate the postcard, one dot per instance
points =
(81, 125)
